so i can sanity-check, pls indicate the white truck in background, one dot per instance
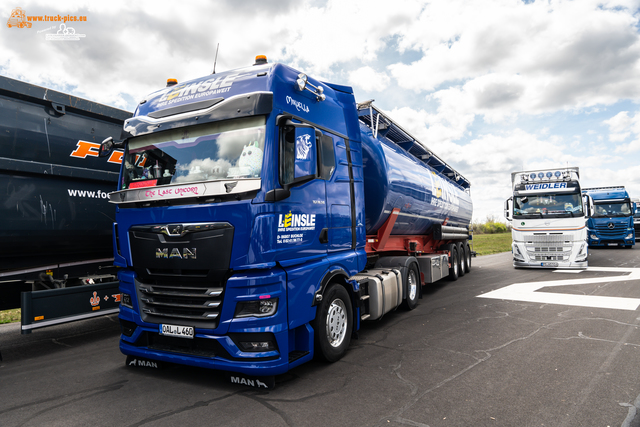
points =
(548, 219)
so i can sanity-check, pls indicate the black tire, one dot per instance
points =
(333, 324)
(412, 288)
(453, 269)
(461, 257)
(467, 257)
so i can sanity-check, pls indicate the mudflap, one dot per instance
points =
(263, 383)
(140, 362)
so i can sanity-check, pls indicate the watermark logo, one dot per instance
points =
(65, 34)
(18, 19)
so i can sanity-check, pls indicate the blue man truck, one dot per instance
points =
(610, 221)
(262, 215)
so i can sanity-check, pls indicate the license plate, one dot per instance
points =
(177, 331)
(612, 244)
(549, 264)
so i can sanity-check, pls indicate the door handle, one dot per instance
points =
(324, 235)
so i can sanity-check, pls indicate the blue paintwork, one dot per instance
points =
(268, 259)
(395, 179)
(610, 229)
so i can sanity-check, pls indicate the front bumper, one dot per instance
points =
(220, 345)
(550, 264)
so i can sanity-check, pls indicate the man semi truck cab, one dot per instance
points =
(611, 223)
(548, 219)
(241, 225)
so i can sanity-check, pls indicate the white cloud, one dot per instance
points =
(621, 126)
(368, 79)
(525, 58)
(486, 85)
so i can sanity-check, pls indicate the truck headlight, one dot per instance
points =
(260, 308)
(517, 254)
(629, 236)
(594, 237)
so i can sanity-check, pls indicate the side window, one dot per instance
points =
(327, 156)
(287, 155)
(292, 153)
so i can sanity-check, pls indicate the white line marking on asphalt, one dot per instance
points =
(528, 291)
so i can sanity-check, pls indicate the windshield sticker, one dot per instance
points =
(174, 192)
(202, 89)
(546, 186)
(142, 184)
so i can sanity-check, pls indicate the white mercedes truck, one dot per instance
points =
(548, 219)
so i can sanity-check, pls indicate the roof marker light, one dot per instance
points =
(171, 82)
(260, 60)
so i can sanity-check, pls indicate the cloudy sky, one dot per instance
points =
(491, 86)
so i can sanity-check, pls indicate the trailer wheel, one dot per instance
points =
(461, 259)
(453, 270)
(467, 257)
(412, 288)
(333, 324)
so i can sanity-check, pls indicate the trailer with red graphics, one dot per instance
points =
(56, 259)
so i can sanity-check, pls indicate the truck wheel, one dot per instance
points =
(453, 270)
(333, 324)
(412, 288)
(467, 257)
(461, 258)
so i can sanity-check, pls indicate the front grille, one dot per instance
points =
(547, 238)
(549, 257)
(605, 231)
(548, 247)
(181, 276)
(199, 304)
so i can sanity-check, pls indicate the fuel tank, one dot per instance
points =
(54, 188)
(394, 178)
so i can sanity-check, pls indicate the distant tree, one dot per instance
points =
(491, 225)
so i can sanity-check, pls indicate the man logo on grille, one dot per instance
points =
(173, 229)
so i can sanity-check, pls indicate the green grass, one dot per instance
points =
(8, 316)
(487, 244)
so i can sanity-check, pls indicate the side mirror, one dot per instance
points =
(507, 208)
(306, 162)
(106, 148)
(588, 205)
(108, 145)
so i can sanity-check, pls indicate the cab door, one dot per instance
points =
(300, 206)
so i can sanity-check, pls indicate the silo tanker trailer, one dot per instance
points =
(262, 215)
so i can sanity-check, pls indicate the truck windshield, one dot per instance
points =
(603, 210)
(214, 151)
(548, 205)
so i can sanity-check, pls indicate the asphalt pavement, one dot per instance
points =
(498, 347)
